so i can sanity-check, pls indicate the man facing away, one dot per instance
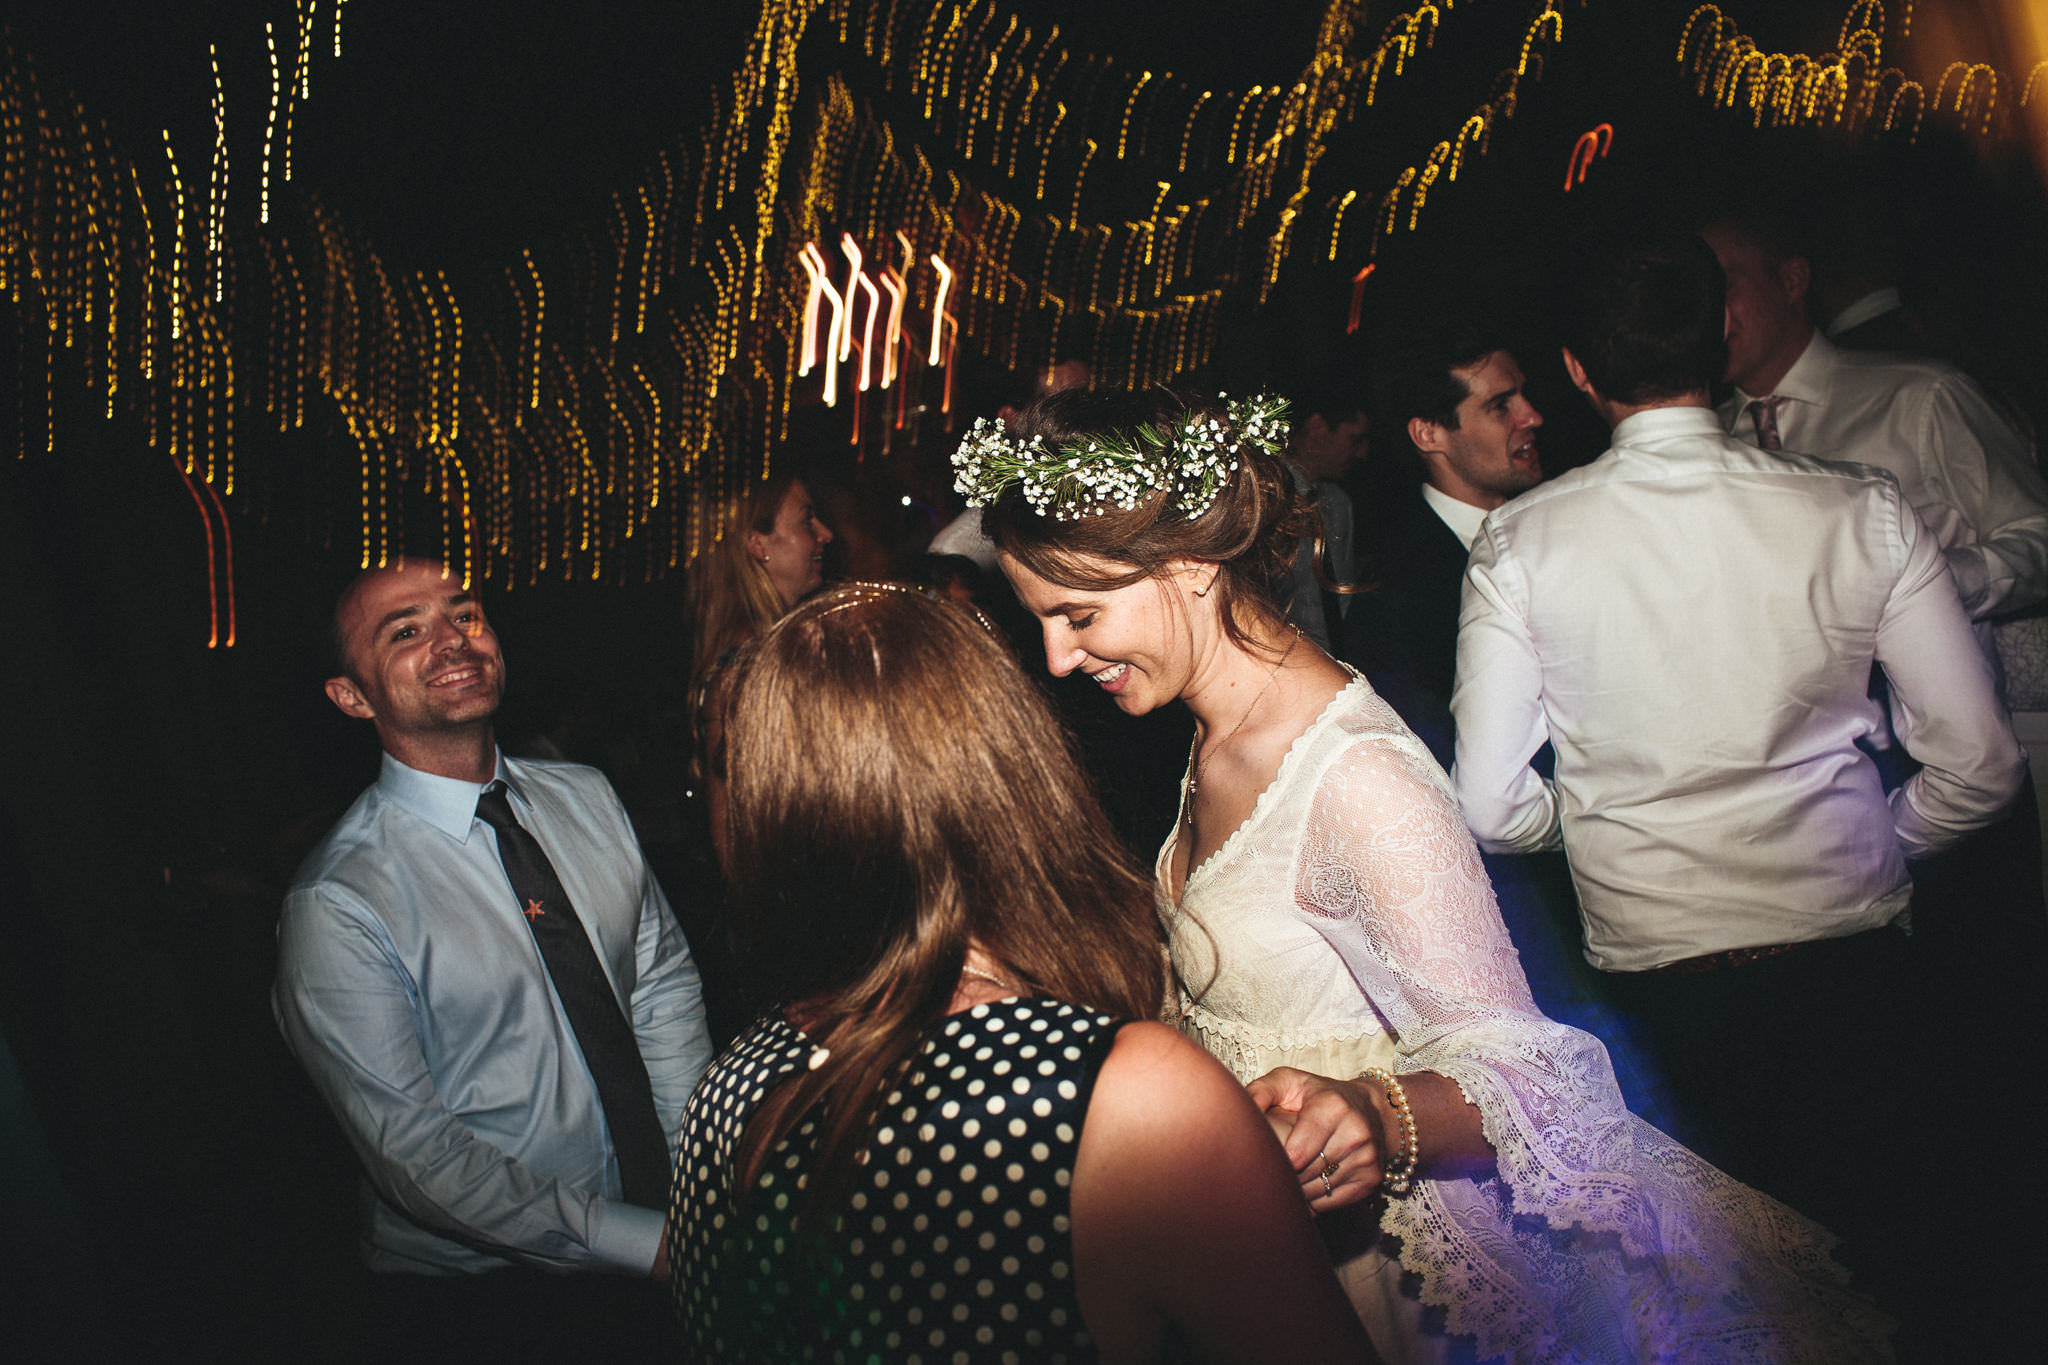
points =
(1451, 391)
(511, 1096)
(1691, 623)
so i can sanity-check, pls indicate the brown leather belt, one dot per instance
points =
(1732, 957)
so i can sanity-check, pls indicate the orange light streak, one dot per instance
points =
(812, 262)
(1595, 141)
(952, 330)
(838, 321)
(1351, 319)
(212, 596)
(227, 544)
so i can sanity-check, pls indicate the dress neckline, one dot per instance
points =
(1163, 866)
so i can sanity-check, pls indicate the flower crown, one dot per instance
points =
(1189, 458)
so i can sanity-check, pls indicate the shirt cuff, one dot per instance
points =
(624, 1237)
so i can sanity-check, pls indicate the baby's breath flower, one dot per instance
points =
(1189, 459)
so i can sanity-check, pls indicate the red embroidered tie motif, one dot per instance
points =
(533, 910)
(1764, 413)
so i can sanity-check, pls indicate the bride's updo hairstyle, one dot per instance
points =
(1251, 528)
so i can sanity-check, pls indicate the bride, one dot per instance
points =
(1337, 944)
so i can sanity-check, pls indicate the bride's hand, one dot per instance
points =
(1335, 1135)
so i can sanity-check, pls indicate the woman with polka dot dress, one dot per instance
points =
(955, 1139)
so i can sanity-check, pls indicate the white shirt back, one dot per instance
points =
(1691, 623)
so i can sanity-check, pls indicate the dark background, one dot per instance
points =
(167, 1176)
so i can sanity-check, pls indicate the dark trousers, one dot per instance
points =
(510, 1316)
(1763, 1057)
(1845, 1080)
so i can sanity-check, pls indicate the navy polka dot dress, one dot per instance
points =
(955, 1245)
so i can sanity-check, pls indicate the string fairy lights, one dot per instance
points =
(582, 410)
(1850, 88)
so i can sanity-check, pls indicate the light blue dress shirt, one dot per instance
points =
(411, 990)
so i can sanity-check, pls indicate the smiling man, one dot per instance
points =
(488, 988)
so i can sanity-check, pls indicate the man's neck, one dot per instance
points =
(1764, 380)
(1614, 414)
(466, 755)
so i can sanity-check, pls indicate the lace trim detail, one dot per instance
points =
(1269, 794)
(1600, 1239)
(1211, 1023)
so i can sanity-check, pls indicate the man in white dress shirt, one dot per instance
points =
(1974, 482)
(1691, 623)
(1962, 466)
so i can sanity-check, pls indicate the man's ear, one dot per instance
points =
(344, 694)
(1795, 276)
(1425, 435)
(1577, 372)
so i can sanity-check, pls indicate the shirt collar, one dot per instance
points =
(1875, 304)
(1462, 517)
(1659, 424)
(446, 803)
(1807, 381)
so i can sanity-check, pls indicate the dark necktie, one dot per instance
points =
(602, 1030)
(1764, 413)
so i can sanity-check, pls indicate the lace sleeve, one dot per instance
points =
(1389, 875)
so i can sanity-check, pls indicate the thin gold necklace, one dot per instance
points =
(1195, 757)
(990, 977)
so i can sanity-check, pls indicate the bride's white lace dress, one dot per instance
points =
(1348, 923)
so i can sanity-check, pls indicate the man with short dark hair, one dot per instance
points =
(1450, 393)
(485, 984)
(1691, 622)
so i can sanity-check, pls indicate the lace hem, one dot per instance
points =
(1756, 1291)
(1600, 1238)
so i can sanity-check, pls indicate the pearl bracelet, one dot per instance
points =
(1398, 1174)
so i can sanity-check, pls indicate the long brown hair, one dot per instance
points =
(897, 789)
(1251, 531)
(731, 596)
